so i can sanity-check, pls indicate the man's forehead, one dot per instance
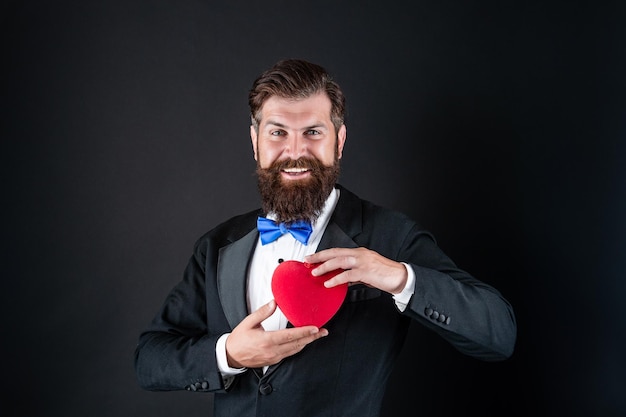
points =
(320, 100)
(314, 109)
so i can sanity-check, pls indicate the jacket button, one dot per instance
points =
(435, 315)
(448, 320)
(442, 318)
(428, 311)
(205, 385)
(265, 389)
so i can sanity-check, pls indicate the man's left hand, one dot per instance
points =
(360, 265)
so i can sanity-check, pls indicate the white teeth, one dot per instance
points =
(295, 170)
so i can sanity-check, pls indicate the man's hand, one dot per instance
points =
(360, 265)
(250, 346)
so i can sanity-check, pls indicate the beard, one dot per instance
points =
(298, 199)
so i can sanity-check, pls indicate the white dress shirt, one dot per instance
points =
(266, 258)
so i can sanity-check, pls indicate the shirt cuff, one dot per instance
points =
(402, 299)
(222, 361)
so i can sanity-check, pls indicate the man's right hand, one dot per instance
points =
(250, 346)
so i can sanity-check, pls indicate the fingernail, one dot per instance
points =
(324, 332)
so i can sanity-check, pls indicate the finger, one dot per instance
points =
(344, 262)
(304, 334)
(337, 280)
(321, 256)
(295, 345)
(262, 313)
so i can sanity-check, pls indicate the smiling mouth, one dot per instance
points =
(295, 171)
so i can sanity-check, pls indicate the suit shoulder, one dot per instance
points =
(381, 220)
(378, 227)
(230, 230)
(379, 214)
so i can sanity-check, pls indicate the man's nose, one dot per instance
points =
(296, 146)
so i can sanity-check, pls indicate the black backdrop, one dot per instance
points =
(499, 125)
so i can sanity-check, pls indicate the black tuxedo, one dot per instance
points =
(345, 373)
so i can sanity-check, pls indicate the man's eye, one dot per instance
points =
(312, 132)
(277, 133)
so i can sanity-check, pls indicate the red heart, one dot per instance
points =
(302, 297)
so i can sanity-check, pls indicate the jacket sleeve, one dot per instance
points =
(176, 352)
(470, 314)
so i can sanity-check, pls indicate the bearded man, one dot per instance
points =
(220, 329)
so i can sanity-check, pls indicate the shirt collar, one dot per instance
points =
(322, 221)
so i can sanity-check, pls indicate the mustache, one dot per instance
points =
(307, 163)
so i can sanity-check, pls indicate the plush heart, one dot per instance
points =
(302, 297)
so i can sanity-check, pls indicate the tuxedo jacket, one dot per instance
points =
(344, 373)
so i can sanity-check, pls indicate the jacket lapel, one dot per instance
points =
(232, 273)
(334, 237)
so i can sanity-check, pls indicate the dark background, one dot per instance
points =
(499, 125)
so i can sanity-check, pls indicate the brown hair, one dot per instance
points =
(297, 79)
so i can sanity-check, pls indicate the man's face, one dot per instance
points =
(297, 152)
(293, 129)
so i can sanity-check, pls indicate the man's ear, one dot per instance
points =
(253, 138)
(341, 140)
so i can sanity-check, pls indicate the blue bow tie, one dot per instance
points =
(270, 230)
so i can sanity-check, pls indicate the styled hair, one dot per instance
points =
(296, 79)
